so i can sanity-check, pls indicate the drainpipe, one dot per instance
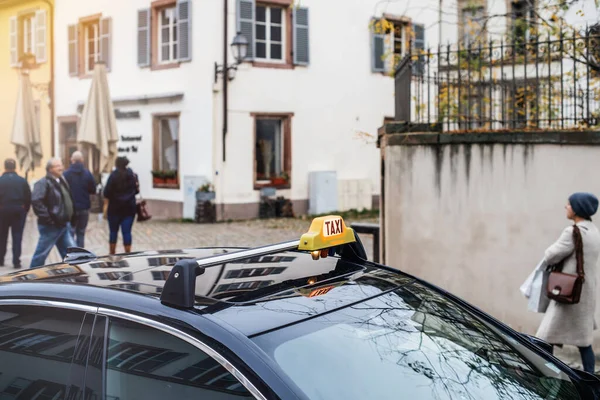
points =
(51, 83)
(225, 72)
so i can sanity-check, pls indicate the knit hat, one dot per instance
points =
(584, 205)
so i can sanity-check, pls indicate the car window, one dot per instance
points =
(146, 363)
(36, 348)
(411, 343)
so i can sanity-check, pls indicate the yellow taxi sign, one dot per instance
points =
(326, 232)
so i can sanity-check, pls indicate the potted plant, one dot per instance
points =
(280, 180)
(205, 192)
(171, 177)
(158, 178)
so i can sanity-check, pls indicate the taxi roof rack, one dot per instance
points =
(180, 287)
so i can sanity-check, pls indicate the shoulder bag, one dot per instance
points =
(566, 288)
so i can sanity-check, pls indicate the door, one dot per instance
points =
(37, 344)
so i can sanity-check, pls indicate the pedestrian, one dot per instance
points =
(53, 204)
(82, 184)
(15, 201)
(120, 191)
(573, 324)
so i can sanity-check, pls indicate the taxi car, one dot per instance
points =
(306, 319)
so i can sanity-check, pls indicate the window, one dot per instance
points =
(167, 35)
(147, 363)
(472, 25)
(277, 33)
(36, 347)
(390, 40)
(164, 34)
(89, 42)
(270, 25)
(415, 339)
(27, 37)
(166, 151)
(67, 127)
(272, 150)
(523, 21)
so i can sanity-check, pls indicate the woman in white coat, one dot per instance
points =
(573, 324)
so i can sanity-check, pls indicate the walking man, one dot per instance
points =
(53, 205)
(82, 184)
(15, 200)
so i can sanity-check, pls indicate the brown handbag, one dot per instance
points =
(566, 288)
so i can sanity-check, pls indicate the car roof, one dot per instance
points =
(253, 295)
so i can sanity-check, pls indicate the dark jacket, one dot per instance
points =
(120, 190)
(82, 184)
(14, 192)
(48, 203)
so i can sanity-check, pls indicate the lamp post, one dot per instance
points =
(239, 49)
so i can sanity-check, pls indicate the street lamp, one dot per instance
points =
(239, 49)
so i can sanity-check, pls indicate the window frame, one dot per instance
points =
(86, 45)
(21, 32)
(185, 337)
(286, 136)
(156, 119)
(287, 61)
(63, 144)
(389, 60)
(172, 41)
(82, 44)
(155, 49)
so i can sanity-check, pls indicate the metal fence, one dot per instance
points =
(537, 84)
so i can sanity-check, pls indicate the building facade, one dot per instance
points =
(308, 99)
(26, 43)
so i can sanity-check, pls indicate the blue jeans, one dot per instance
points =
(51, 236)
(125, 223)
(79, 225)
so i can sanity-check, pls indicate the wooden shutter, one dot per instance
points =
(13, 41)
(105, 41)
(245, 23)
(184, 30)
(418, 48)
(73, 50)
(40, 36)
(301, 37)
(377, 48)
(144, 37)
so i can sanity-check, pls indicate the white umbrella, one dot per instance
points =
(98, 127)
(26, 129)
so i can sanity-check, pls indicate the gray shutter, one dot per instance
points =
(40, 36)
(245, 23)
(301, 37)
(13, 40)
(184, 30)
(73, 49)
(105, 41)
(377, 49)
(418, 48)
(143, 38)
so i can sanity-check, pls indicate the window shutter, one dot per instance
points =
(184, 30)
(105, 41)
(419, 47)
(73, 50)
(245, 23)
(40, 36)
(13, 42)
(144, 37)
(377, 49)
(301, 37)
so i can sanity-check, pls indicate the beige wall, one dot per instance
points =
(475, 219)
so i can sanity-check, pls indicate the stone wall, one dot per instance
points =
(473, 213)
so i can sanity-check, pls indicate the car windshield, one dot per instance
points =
(410, 343)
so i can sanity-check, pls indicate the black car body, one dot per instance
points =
(267, 323)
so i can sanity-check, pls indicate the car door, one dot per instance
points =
(144, 359)
(38, 341)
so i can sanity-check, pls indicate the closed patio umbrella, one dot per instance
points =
(26, 128)
(98, 128)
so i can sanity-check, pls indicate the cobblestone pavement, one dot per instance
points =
(165, 235)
